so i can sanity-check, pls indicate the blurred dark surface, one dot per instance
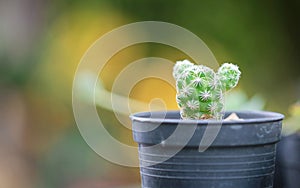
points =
(287, 172)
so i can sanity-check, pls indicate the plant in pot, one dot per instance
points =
(199, 146)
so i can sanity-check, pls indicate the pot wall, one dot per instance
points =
(242, 154)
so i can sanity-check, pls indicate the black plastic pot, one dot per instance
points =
(241, 156)
(288, 162)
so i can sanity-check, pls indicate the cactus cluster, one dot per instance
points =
(200, 91)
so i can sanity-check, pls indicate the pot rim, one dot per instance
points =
(258, 117)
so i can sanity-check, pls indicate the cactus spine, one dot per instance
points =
(200, 91)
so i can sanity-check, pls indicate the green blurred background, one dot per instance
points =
(41, 43)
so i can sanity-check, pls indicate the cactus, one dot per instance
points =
(200, 91)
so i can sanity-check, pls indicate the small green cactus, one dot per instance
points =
(200, 91)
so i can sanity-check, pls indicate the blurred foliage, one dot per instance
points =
(292, 123)
(238, 100)
(71, 161)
